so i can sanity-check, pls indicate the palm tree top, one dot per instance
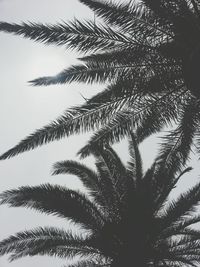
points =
(128, 217)
(148, 52)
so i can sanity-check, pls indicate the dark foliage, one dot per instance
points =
(149, 54)
(130, 219)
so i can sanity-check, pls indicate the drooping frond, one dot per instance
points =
(75, 120)
(64, 252)
(136, 116)
(183, 206)
(85, 174)
(88, 177)
(160, 115)
(56, 200)
(36, 241)
(112, 132)
(167, 185)
(186, 246)
(183, 223)
(177, 144)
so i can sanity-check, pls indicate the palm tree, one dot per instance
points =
(126, 220)
(149, 55)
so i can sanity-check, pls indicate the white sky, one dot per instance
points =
(24, 109)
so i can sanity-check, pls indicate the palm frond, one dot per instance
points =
(136, 116)
(164, 185)
(177, 144)
(35, 241)
(113, 132)
(64, 252)
(180, 225)
(135, 165)
(183, 206)
(82, 36)
(75, 120)
(116, 14)
(179, 261)
(116, 171)
(56, 200)
(130, 16)
(101, 71)
(88, 177)
(121, 56)
(163, 114)
(106, 186)
(87, 73)
(122, 87)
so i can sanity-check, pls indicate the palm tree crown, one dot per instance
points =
(149, 54)
(129, 217)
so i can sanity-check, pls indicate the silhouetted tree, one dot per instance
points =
(129, 218)
(149, 53)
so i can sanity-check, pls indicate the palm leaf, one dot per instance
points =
(161, 115)
(180, 225)
(38, 240)
(87, 73)
(165, 185)
(132, 16)
(58, 251)
(82, 36)
(116, 171)
(114, 131)
(74, 120)
(85, 174)
(88, 177)
(108, 190)
(177, 144)
(135, 165)
(135, 117)
(183, 206)
(55, 200)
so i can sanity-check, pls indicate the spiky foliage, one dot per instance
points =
(148, 52)
(129, 217)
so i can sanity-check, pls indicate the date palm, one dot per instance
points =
(148, 52)
(129, 218)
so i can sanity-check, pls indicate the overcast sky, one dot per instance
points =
(24, 109)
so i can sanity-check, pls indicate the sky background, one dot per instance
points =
(24, 108)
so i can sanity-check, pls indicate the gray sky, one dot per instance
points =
(24, 109)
